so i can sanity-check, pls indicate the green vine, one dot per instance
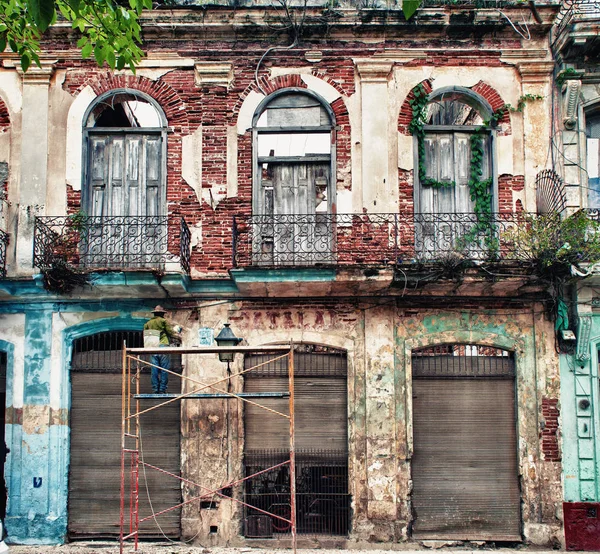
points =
(418, 105)
(479, 189)
(567, 74)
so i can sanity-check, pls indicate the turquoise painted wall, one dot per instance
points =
(579, 411)
(37, 434)
(37, 480)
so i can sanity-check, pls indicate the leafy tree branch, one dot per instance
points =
(110, 30)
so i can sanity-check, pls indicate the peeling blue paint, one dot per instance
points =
(38, 343)
(282, 275)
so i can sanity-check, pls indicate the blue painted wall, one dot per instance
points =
(38, 435)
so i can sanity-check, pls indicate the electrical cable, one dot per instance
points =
(522, 25)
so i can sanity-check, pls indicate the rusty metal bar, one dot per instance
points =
(292, 449)
(239, 395)
(137, 456)
(123, 434)
(127, 416)
(210, 349)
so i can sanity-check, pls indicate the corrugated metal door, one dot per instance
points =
(320, 396)
(464, 468)
(321, 422)
(95, 470)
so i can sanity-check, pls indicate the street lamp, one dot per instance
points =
(227, 338)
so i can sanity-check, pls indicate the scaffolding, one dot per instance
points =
(133, 362)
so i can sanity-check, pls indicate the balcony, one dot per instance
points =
(335, 240)
(3, 245)
(127, 243)
(577, 30)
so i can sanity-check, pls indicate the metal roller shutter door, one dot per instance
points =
(94, 481)
(320, 415)
(464, 468)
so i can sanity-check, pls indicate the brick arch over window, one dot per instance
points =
(175, 111)
(483, 89)
(342, 118)
(293, 80)
(169, 100)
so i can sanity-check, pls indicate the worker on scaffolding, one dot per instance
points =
(158, 377)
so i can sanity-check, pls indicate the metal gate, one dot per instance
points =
(94, 479)
(320, 389)
(464, 467)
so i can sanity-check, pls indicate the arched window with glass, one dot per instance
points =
(293, 186)
(454, 155)
(124, 191)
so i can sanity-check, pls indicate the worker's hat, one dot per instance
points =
(159, 310)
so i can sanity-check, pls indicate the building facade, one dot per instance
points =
(338, 177)
(575, 43)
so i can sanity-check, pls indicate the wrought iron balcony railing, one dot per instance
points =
(372, 239)
(3, 245)
(111, 242)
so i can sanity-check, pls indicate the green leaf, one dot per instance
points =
(121, 63)
(409, 7)
(25, 61)
(99, 55)
(2, 42)
(75, 5)
(42, 12)
(110, 59)
(86, 51)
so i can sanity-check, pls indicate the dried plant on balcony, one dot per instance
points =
(60, 274)
(554, 245)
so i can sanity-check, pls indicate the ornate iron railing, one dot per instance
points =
(111, 242)
(3, 245)
(373, 239)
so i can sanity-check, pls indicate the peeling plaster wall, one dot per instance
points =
(379, 340)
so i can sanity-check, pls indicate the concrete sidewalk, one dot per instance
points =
(112, 547)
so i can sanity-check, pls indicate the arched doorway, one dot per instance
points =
(464, 467)
(95, 463)
(321, 437)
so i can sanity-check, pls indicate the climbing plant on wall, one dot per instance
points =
(480, 189)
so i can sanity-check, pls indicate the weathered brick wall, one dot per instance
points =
(549, 434)
(215, 109)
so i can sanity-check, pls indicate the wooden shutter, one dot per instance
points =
(98, 174)
(464, 468)
(125, 174)
(95, 468)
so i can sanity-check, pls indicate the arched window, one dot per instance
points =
(294, 184)
(455, 118)
(592, 133)
(124, 184)
(124, 156)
